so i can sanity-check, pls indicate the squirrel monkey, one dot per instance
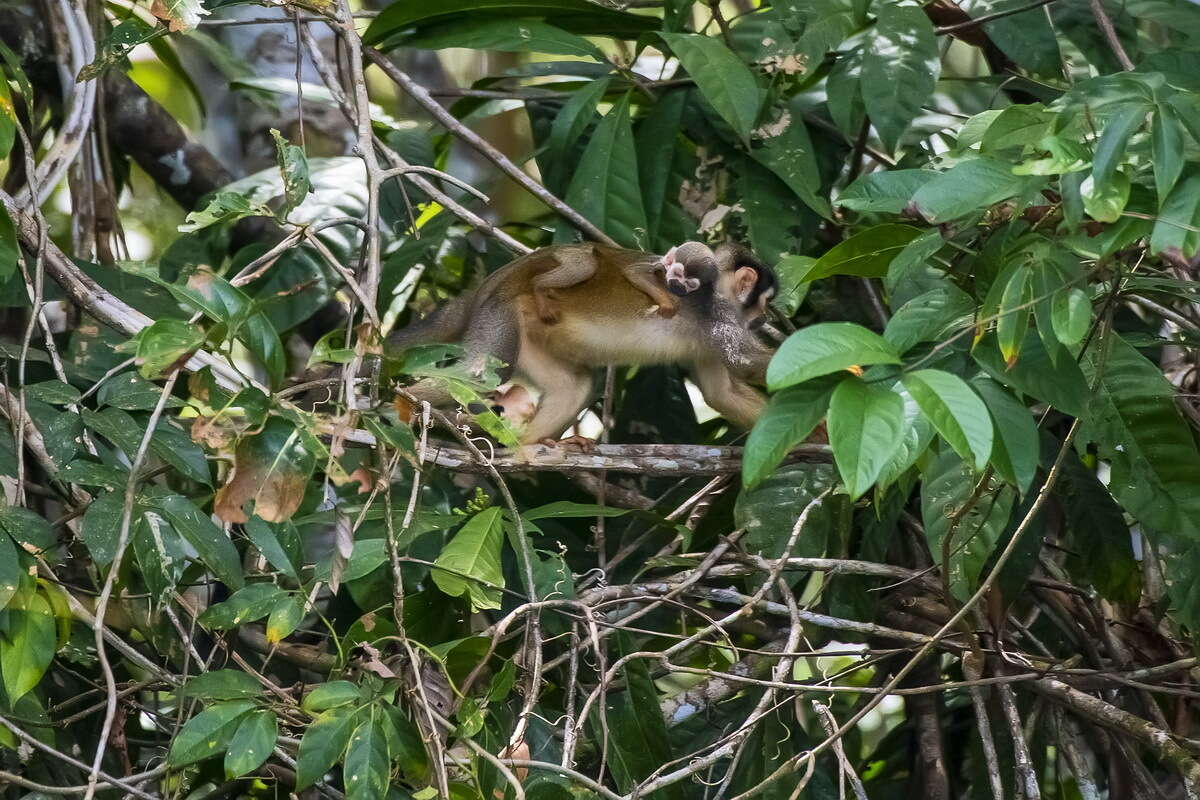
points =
(604, 317)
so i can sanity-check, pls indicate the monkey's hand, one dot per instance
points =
(582, 443)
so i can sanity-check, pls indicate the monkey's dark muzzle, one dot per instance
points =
(677, 288)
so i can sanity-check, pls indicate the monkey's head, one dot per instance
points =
(750, 281)
(688, 266)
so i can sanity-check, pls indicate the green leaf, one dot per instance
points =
(114, 48)
(885, 192)
(223, 302)
(325, 696)
(207, 734)
(1134, 420)
(165, 345)
(929, 317)
(293, 167)
(1166, 147)
(1105, 201)
(30, 531)
(474, 555)
(789, 418)
(604, 187)
(222, 684)
(1111, 148)
(957, 413)
(10, 571)
(969, 187)
(565, 509)
(505, 35)
(367, 762)
(168, 442)
(900, 69)
(1180, 214)
(9, 250)
(1071, 315)
(29, 643)
(284, 618)
(1015, 447)
(1101, 549)
(916, 436)
(722, 78)
(660, 153)
(575, 117)
(214, 547)
(577, 16)
(54, 392)
(8, 134)
(263, 535)
(824, 348)
(1057, 382)
(947, 486)
(866, 428)
(867, 253)
(252, 743)
(637, 737)
(223, 207)
(1017, 126)
(1013, 314)
(160, 552)
(250, 603)
(322, 745)
(788, 152)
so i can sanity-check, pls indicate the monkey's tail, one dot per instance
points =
(445, 324)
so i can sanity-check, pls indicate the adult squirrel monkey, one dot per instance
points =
(558, 313)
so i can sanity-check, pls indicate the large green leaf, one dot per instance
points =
(867, 253)
(900, 69)
(322, 745)
(824, 348)
(367, 762)
(571, 122)
(1015, 447)
(222, 684)
(888, 192)
(723, 79)
(769, 511)
(1133, 418)
(1101, 550)
(637, 738)
(215, 548)
(577, 16)
(789, 418)
(252, 743)
(866, 428)
(28, 643)
(604, 187)
(788, 152)
(474, 556)
(208, 733)
(248, 604)
(969, 187)
(1059, 383)
(10, 571)
(1166, 140)
(957, 413)
(929, 317)
(947, 487)
(505, 35)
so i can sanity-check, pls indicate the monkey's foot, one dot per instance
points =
(582, 443)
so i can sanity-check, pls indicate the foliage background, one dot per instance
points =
(984, 216)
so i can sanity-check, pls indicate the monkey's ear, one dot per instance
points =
(744, 281)
(669, 258)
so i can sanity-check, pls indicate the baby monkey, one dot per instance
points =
(684, 269)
